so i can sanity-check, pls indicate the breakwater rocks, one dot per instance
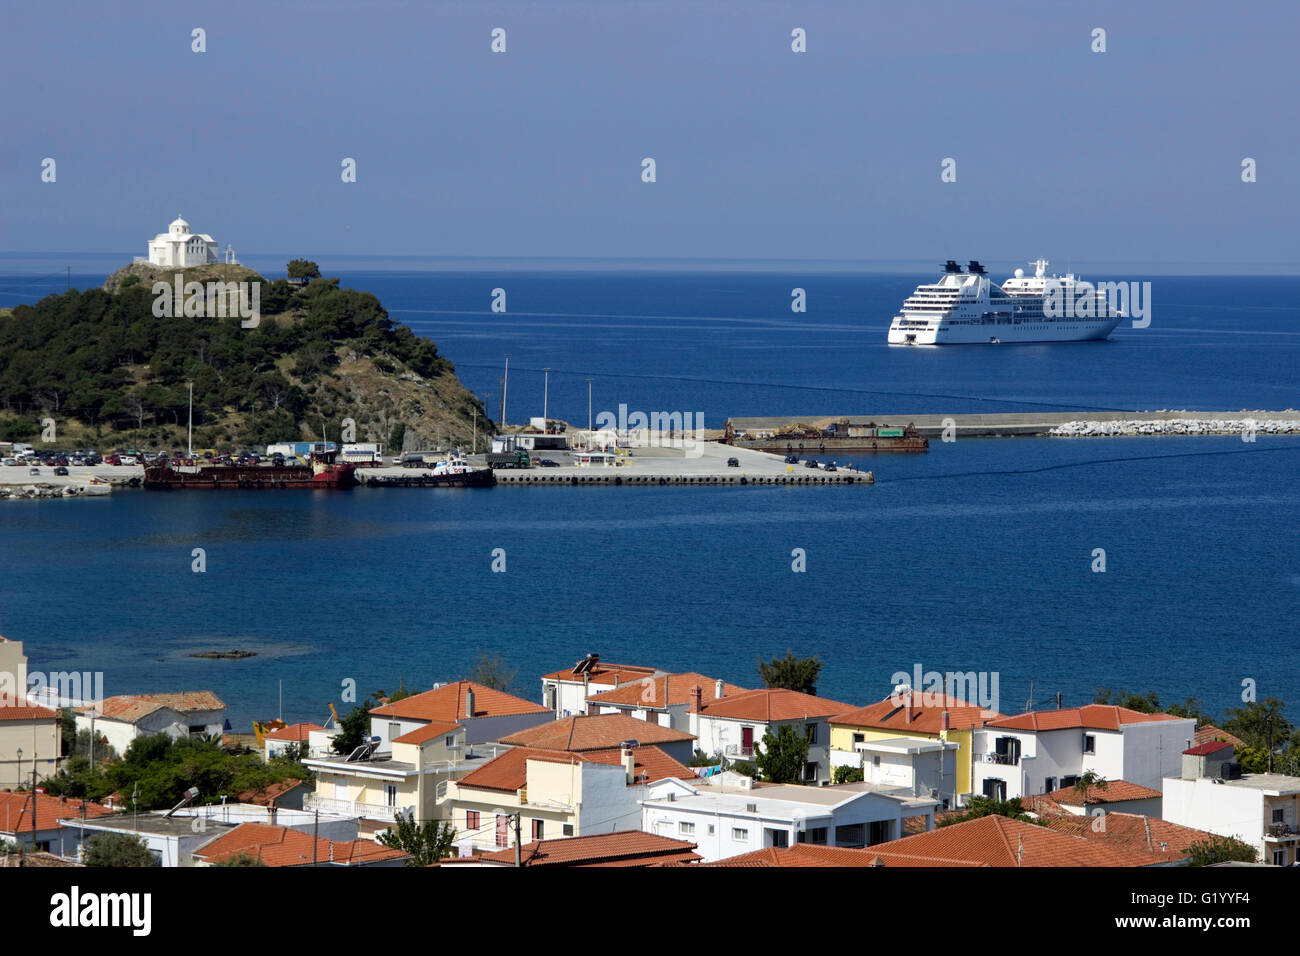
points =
(47, 490)
(1177, 426)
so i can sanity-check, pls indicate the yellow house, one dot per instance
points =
(557, 793)
(917, 741)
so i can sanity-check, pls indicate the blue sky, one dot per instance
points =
(1132, 155)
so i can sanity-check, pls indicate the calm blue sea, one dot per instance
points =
(976, 556)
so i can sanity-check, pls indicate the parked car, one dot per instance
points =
(33, 471)
(112, 460)
(811, 463)
(549, 463)
(831, 467)
(128, 460)
(61, 470)
(792, 459)
(733, 462)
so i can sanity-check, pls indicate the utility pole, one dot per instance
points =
(505, 385)
(588, 404)
(475, 451)
(546, 393)
(519, 852)
(189, 454)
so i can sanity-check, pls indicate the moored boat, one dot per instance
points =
(321, 472)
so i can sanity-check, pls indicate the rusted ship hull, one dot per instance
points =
(219, 477)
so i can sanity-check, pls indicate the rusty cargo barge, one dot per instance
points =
(321, 473)
(841, 437)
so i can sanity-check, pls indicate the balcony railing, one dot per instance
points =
(1009, 760)
(739, 750)
(1282, 831)
(351, 808)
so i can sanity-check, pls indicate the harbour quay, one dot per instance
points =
(706, 463)
(1055, 424)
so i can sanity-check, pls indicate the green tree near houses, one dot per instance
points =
(427, 843)
(1221, 849)
(354, 728)
(781, 756)
(1088, 781)
(790, 672)
(987, 807)
(1261, 724)
(118, 849)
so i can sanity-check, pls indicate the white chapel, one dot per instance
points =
(180, 247)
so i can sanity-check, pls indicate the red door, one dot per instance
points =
(747, 740)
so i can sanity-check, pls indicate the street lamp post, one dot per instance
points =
(189, 439)
(588, 404)
(546, 393)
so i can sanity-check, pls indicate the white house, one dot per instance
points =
(485, 714)
(559, 794)
(1261, 809)
(734, 725)
(122, 719)
(730, 815)
(311, 740)
(1043, 751)
(180, 247)
(664, 700)
(565, 692)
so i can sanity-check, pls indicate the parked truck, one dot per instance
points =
(508, 459)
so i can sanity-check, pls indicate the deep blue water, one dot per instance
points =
(974, 557)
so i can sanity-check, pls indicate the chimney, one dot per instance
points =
(943, 721)
(1059, 699)
(469, 702)
(697, 699)
(719, 689)
(907, 711)
(629, 764)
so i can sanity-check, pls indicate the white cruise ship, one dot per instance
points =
(968, 307)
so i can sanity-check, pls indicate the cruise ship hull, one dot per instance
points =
(913, 331)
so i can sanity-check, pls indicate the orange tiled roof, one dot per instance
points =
(280, 846)
(1116, 791)
(603, 673)
(1210, 733)
(446, 704)
(624, 848)
(668, 690)
(134, 707)
(25, 711)
(772, 704)
(649, 763)
(1001, 841)
(926, 719)
(594, 732)
(426, 733)
(270, 793)
(16, 811)
(809, 855)
(1131, 832)
(509, 771)
(294, 732)
(1091, 716)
